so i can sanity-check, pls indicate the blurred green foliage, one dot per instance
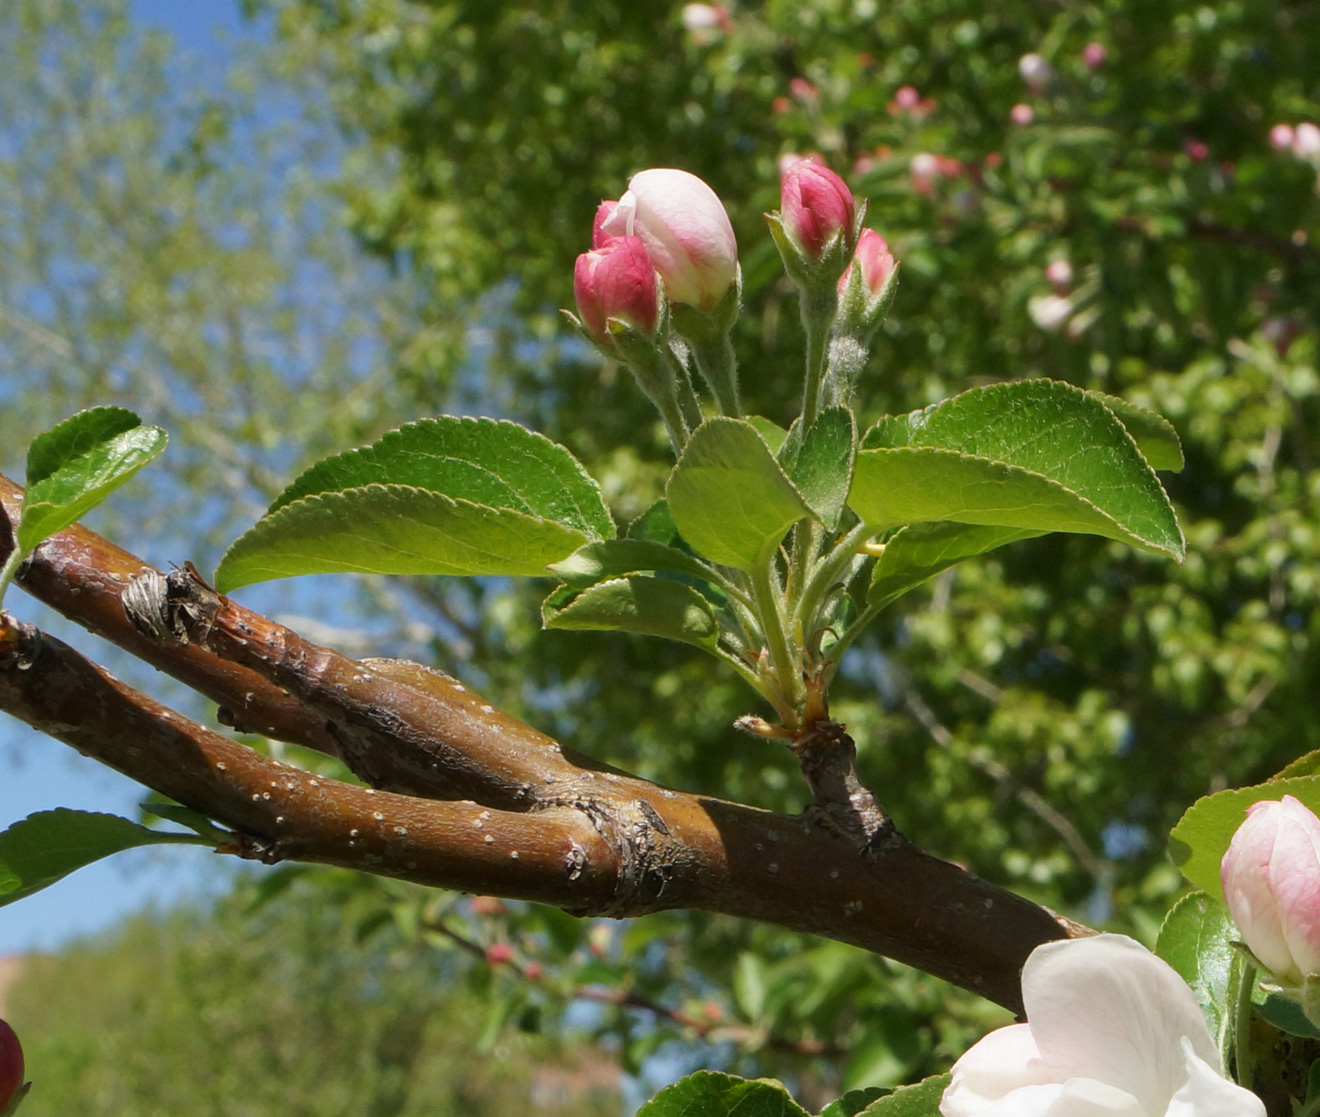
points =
(1043, 715)
(217, 1010)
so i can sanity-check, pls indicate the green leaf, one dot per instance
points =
(713, 1094)
(854, 1101)
(655, 525)
(186, 816)
(1195, 940)
(1284, 1013)
(615, 557)
(823, 467)
(485, 461)
(1032, 454)
(729, 497)
(1153, 433)
(77, 464)
(921, 1100)
(44, 847)
(920, 551)
(1200, 840)
(773, 433)
(394, 529)
(644, 605)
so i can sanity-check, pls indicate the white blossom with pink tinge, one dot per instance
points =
(686, 232)
(1112, 1031)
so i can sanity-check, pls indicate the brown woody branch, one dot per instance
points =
(492, 805)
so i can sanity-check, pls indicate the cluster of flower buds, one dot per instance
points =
(660, 288)
(1303, 140)
(663, 265)
(12, 1087)
(1271, 880)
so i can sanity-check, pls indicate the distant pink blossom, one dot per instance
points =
(1094, 55)
(698, 18)
(1035, 71)
(906, 97)
(1306, 141)
(1195, 150)
(1281, 137)
(803, 90)
(1021, 115)
(1059, 272)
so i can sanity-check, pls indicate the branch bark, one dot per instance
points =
(474, 800)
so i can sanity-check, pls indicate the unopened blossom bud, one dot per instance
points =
(616, 281)
(816, 205)
(1021, 115)
(873, 260)
(1271, 879)
(906, 97)
(1094, 55)
(11, 1065)
(499, 954)
(1035, 71)
(1306, 141)
(699, 18)
(1059, 273)
(685, 231)
(1281, 137)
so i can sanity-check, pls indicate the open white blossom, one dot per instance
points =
(1112, 1031)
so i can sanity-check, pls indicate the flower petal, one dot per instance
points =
(996, 1066)
(1107, 1009)
(1206, 1094)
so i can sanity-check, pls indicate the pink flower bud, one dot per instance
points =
(533, 971)
(1271, 879)
(616, 281)
(906, 97)
(1021, 115)
(1094, 55)
(11, 1065)
(1281, 137)
(1059, 273)
(1035, 71)
(499, 954)
(815, 204)
(803, 90)
(1306, 141)
(875, 260)
(685, 231)
(1195, 150)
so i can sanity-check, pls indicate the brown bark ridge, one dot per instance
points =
(465, 797)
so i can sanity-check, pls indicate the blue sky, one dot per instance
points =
(38, 773)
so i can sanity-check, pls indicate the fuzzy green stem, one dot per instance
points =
(719, 368)
(9, 569)
(769, 607)
(1241, 1001)
(819, 304)
(826, 572)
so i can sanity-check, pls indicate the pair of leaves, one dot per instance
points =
(714, 1094)
(45, 847)
(78, 463)
(439, 496)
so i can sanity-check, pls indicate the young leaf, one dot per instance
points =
(644, 605)
(773, 433)
(921, 551)
(855, 1101)
(920, 1100)
(614, 557)
(714, 1094)
(823, 468)
(1194, 939)
(729, 497)
(1200, 840)
(1032, 454)
(44, 847)
(485, 461)
(655, 525)
(1153, 434)
(394, 529)
(77, 464)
